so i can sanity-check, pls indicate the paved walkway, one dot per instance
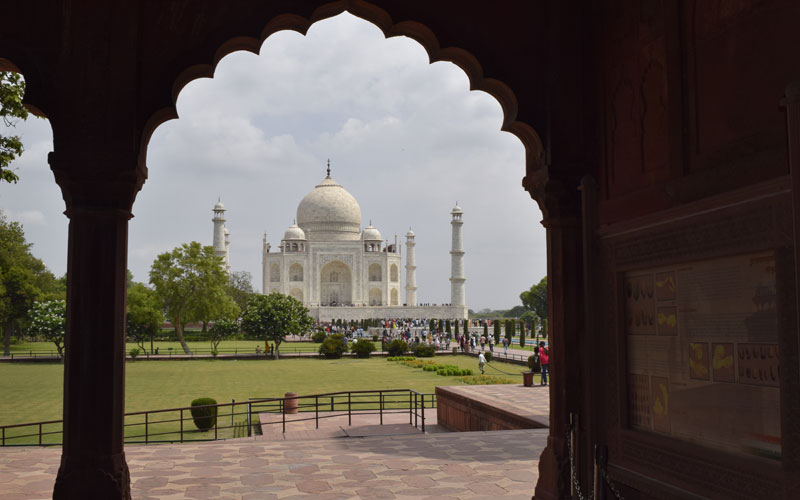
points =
(446, 466)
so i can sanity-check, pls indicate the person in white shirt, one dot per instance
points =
(481, 361)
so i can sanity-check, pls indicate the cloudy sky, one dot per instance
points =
(406, 138)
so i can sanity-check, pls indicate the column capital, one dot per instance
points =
(97, 181)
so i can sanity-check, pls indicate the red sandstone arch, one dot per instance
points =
(529, 137)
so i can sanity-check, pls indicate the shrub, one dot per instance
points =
(423, 350)
(363, 348)
(400, 358)
(134, 353)
(488, 355)
(533, 363)
(318, 336)
(397, 347)
(333, 346)
(374, 337)
(204, 418)
(485, 380)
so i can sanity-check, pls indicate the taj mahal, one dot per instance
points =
(340, 271)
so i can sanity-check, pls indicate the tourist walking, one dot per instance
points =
(481, 361)
(505, 346)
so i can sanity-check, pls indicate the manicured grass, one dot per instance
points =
(204, 347)
(33, 391)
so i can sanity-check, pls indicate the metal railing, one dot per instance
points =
(238, 419)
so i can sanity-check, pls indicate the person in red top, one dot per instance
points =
(544, 359)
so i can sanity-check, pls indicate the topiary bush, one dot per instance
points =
(318, 336)
(488, 355)
(333, 346)
(204, 418)
(134, 353)
(533, 363)
(397, 347)
(363, 348)
(423, 350)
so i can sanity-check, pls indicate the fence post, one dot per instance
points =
(146, 428)
(181, 425)
(416, 421)
(249, 422)
(233, 405)
(332, 402)
(380, 405)
(423, 413)
(349, 411)
(216, 422)
(409, 407)
(40, 434)
(316, 411)
(283, 418)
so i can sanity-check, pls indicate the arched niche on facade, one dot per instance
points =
(393, 273)
(375, 272)
(275, 273)
(375, 297)
(336, 284)
(297, 294)
(395, 297)
(296, 272)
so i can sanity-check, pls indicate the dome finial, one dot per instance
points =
(329, 168)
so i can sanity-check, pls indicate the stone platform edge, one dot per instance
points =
(463, 413)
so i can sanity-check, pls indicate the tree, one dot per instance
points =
(515, 312)
(510, 330)
(12, 89)
(189, 280)
(23, 280)
(274, 316)
(522, 334)
(240, 288)
(144, 315)
(48, 321)
(535, 299)
(222, 329)
(496, 326)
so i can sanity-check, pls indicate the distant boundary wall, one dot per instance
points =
(355, 313)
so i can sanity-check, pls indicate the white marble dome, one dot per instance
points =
(294, 233)
(330, 209)
(371, 233)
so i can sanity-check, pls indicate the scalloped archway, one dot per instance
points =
(505, 96)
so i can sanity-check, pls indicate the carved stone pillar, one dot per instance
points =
(561, 208)
(98, 206)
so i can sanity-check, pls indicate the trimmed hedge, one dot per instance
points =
(333, 346)
(318, 336)
(204, 418)
(423, 350)
(397, 347)
(363, 348)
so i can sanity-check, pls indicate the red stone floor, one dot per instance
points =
(364, 461)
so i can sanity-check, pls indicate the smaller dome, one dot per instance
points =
(219, 206)
(294, 233)
(410, 233)
(456, 209)
(226, 231)
(371, 233)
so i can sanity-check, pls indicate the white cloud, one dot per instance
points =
(405, 137)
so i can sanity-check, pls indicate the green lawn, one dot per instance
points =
(32, 392)
(200, 347)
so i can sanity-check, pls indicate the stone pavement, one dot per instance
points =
(446, 466)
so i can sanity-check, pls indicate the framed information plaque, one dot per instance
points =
(702, 353)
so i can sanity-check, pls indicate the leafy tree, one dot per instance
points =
(486, 330)
(535, 299)
(510, 330)
(240, 288)
(522, 334)
(515, 312)
(222, 329)
(274, 316)
(48, 321)
(12, 88)
(143, 317)
(23, 280)
(529, 317)
(190, 281)
(456, 331)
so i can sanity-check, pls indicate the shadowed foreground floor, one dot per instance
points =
(442, 466)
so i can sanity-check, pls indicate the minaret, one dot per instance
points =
(264, 270)
(411, 270)
(457, 278)
(220, 243)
